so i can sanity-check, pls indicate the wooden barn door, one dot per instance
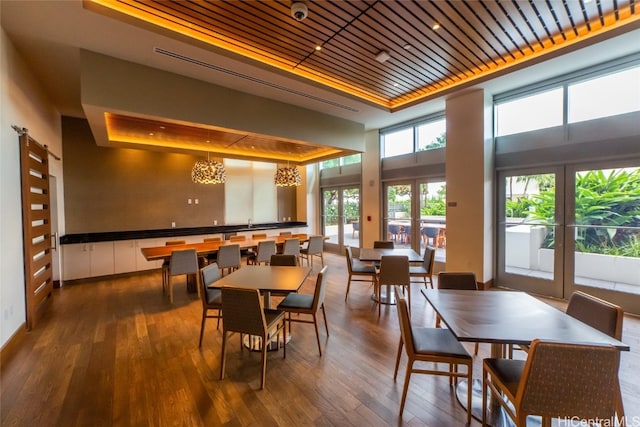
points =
(34, 165)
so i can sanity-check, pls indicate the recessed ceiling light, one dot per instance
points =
(150, 133)
(396, 85)
(407, 46)
(318, 47)
(162, 127)
(435, 26)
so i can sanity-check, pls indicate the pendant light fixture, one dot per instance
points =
(287, 177)
(208, 172)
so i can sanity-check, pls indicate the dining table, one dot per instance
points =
(387, 296)
(269, 280)
(501, 318)
(206, 248)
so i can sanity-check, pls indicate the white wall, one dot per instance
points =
(370, 202)
(22, 103)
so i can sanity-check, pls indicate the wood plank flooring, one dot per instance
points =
(114, 352)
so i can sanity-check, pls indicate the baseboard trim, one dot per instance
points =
(10, 348)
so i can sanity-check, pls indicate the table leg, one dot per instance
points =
(387, 296)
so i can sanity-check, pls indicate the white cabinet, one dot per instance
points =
(125, 254)
(84, 260)
(141, 261)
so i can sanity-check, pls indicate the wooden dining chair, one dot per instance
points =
(358, 271)
(295, 303)
(424, 271)
(315, 248)
(165, 263)
(266, 248)
(229, 258)
(237, 238)
(281, 260)
(211, 297)
(558, 380)
(212, 257)
(433, 345)
(461, 280)
(383, 244)
(183, 261)
(394, 271)
(244, 313)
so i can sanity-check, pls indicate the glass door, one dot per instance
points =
(433, 225)
(530, 231)
(397, 223)
(341, 217)
(603, 233)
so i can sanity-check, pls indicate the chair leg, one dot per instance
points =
(170, 290)
(475, 352)
(224, 348)
(407, 378)
(348, 286)
(315, 325)
(204, 319)
(484, 397)
(284, 338)
(395, 371)
(324, 314)
(469, 390)
(264, 362)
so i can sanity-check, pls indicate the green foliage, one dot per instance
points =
(439, 142)
(434, 207)
(605, 200)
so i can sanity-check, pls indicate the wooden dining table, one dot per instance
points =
(506, 317)
(205, 248)
(375, 254)
(268, 280)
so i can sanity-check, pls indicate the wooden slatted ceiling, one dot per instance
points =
(474, 38)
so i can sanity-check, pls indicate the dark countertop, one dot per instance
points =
(109, 236)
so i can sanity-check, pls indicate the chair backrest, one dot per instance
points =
(315, 245)
(393, 228)
(229, 256)
(597, 313)
(383, 244)
(210, 274)
(428, 259)
(266, 248)
(258, 236)
(291, 247)
(175, 242)
(283, 260)
(184, 261)
(285, 233)
(394, 270)
(349, 255)
(212, 239)
(457, 280)
(404, 321)
(237, 238)
(567, 380)
(321, 288)
(356, 226)
(243, 311)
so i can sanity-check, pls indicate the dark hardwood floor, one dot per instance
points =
(114, 352)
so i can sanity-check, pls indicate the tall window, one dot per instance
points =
(342, 161)
(538, 111)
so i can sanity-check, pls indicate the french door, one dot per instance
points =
(574, 227)
(341, 217)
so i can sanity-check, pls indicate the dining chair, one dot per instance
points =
(285, 233)
(314, 248)
(266, 248)
(358, 271)
(355, 228)
(430, 233)
(394, 271)
(558, 380)
(211, 297)
(393, 231)
(383, 244)
(237, 238)
(182, 261)
(431, 345)
(461, 280)
(165, 263)
(425, 270)
(292, 247)
(244, 313)
(229, 258)
(258, 236)
(212, 257)
(595, 312)
(280, 260)
(308, 305)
